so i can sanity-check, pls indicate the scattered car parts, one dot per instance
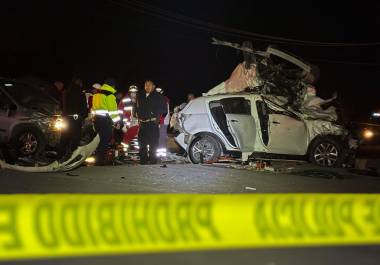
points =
(75, 160)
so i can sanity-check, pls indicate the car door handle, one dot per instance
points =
(275, 122)
(234, 121)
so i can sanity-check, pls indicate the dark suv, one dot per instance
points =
(29, 119)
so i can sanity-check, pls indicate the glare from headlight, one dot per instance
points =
(60, 124)
(368, 134)
(90, 160)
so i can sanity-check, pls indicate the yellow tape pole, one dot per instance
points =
(56, 225)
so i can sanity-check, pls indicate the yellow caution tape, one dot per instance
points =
(56, 225)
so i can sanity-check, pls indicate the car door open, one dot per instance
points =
(240, 122)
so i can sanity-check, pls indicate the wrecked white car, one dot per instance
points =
(255, 125)
(267, 108)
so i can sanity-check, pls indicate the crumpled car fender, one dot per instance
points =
(320, 127)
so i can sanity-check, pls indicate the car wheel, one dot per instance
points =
(326, 152)
(204, 149)
(28, 141)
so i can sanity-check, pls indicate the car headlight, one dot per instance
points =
(60, 124)
(368, 134)
(90, 160)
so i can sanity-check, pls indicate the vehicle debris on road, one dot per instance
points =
(76, 159)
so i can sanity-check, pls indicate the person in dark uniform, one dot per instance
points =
(150, 106)
(74, 109)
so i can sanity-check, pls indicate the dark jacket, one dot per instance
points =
(74, 102)
(152, 106)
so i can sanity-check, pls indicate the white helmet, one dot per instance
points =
(97, 86)
(133, 89)
(159, 90)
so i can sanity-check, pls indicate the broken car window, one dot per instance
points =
(236, 106)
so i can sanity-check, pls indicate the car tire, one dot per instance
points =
(28, 141)
(326, 152)
(206, 145)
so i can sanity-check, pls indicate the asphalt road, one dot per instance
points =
(187, 178)
(298, 256)
(179, 178)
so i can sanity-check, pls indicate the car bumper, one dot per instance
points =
(182, 140)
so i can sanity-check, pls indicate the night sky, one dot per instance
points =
(128, 41)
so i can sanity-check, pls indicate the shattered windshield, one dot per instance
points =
(30, 97)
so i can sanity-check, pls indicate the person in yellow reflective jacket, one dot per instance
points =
(105, 111)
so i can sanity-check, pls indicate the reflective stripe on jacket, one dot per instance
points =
(104, 102)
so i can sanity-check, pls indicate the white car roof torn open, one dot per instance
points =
(289, 85)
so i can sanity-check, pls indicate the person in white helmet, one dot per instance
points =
(127, 107)
(90, 94)
(133, 90)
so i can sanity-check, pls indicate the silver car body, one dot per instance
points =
(41, 115)
(260, 125)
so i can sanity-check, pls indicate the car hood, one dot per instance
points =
(46, 109)
(40, 116)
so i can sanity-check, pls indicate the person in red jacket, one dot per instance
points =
(128, 108)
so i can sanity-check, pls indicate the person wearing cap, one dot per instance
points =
(106, 114)
(164, 122)
(150, 106)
